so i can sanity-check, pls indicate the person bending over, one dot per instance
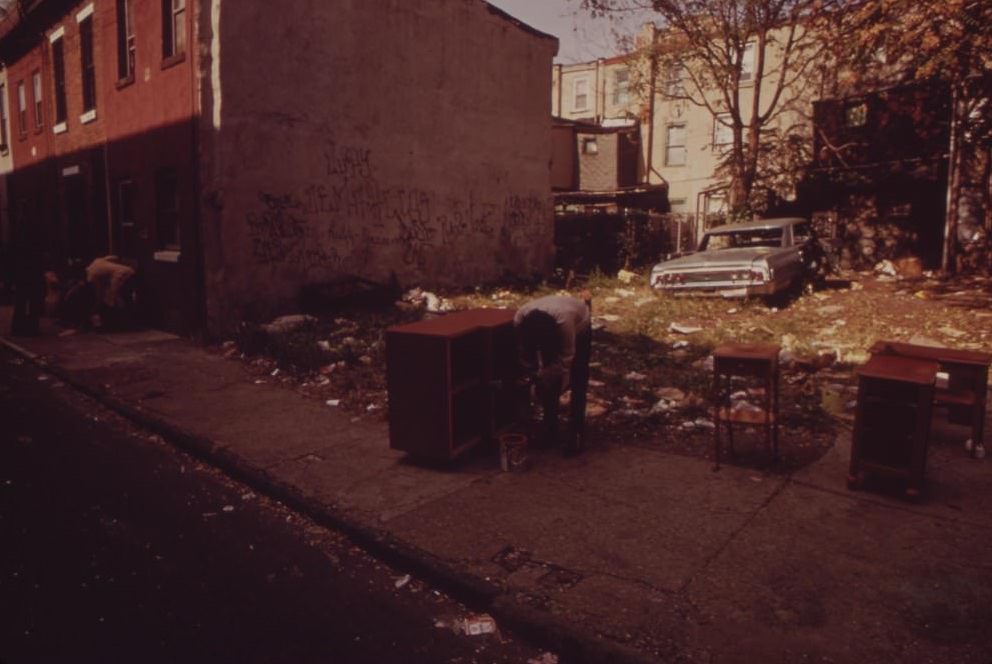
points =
(554, 338)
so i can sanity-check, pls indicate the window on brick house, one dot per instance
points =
(58, 73)
(675, 145)
(22, 108)
(39, 112)
(89, 69)
(167, 209)
(3, 119)
(173, 27)
(125, 40)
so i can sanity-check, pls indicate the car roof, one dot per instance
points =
(757, 224)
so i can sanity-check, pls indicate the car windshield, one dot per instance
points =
(759, 237)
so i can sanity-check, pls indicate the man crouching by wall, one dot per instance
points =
(106, 299)
(554, 337)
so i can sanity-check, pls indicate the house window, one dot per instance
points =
(58, 73)
(173, 28)
(39, 115)
(856, 115)
(675, 145)
(674, 76)
(590, 146)
(676, 205)
(621, 87)
(22, 108)
(86, 56)
(167, 209)
(3, 118)
(125, 40)
(723, 133)
(580, 101)
(747, 63)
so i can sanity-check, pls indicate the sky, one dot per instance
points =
(580, 37)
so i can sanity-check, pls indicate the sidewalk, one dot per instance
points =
(621, 554)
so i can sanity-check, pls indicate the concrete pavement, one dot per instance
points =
(621, 554)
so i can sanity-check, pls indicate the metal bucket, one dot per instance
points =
(512, 452)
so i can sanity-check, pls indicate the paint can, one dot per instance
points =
(512, 452)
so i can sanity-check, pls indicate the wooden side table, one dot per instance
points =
(892, 420)
(758, 361)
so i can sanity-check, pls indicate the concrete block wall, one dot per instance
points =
(405, 137)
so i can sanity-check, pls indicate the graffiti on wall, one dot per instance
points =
(344, 220)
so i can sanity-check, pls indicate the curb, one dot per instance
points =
(539, 627)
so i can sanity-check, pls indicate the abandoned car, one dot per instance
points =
(764, 257)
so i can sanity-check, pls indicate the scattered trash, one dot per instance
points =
(969, 445)
(634, 375)
(703, 423)
(324, 345)
(755, 478)
(228, 508)
(625, 276)
(287, 324)
(731, 311)
(670, 394)
(922, 295)
(401, 581)
(372, 407)
(275, 372)
(596, 383)
(830, 309)
(609, 318)
(832, 398)
(333, 402)
(42, 378)
(886, 267)
(680, 344)
(479, 624)
(979, 451)
(683, 329)
(644, 300)
(689, 425)
(856, 286)
(545, 658)
(951, 332)
(624, 292)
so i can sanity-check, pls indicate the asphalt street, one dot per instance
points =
(117, 547)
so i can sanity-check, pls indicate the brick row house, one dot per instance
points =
(385, 141)
(102, 139)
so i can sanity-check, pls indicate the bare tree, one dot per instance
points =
(701, 50)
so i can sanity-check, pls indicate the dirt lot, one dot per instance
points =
(650, 377)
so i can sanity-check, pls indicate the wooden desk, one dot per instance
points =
(892, 420)
(968, 374)
(452, 382)
(745, 360)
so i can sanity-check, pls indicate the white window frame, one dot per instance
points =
(747, 62)
(723, 132)
(621, 88)
(584, 82)
(669, 146)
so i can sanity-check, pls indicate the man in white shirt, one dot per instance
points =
(554, 335)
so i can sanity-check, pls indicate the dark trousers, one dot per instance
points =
(29, 301)
(579, 385)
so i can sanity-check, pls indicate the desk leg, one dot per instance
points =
(978, 416)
